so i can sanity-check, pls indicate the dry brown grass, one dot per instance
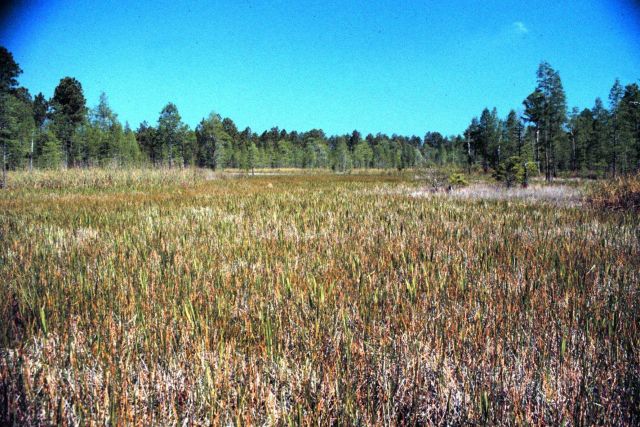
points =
(316, 300)
(622, 194)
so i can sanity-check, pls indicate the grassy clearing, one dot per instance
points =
(310, 300)
(125, 180)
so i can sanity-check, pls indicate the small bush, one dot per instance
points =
(513, 171)
(532, 168)
(457, 180)
(436, 178)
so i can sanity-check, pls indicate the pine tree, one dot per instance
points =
(599, 135)
(546, 108)
(616, 151)
(68, 112)
(9, 72)
(40, 112)
(172, 135)
(630, 124)
(211, 139)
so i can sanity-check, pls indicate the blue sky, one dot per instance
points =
(402, 67)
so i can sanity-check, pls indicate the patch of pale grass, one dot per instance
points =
(555, 194)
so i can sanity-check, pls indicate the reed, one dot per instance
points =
(143, 298)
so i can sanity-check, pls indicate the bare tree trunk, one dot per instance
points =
(554, 163)
(536, 149)
(638, 144)
(468, 154)
(615, 155)
(547, 168)
(574, 160)
(519, 147)
(31, 155)
(69, 160)
(520, 137)
(185, 162)
(4, 165)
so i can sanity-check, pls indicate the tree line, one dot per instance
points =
(543, 137)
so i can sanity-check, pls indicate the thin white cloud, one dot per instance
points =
(508, 34)
(520, 28)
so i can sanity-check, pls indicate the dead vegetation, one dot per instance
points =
(318, 300)
(622, 194)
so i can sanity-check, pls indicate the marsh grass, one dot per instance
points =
(555, 194)
(621, 194)
(310, 300)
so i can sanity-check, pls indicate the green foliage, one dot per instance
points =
(16, 129)
(252, 157)
(68, 103)
(531, 169)
(40, 110)
(546, 108)
(211, 142)
(457, 179)
(129, 153)
(50, 151)
(510, 171)
(68, 112)
(172, 137)
(9, 71)
(342, 158)
(515, 171)
(597, 142)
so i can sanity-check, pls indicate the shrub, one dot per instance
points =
(457, 180)
(514, 171)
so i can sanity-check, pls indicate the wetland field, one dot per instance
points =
(188, 297)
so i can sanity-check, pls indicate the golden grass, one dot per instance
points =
(310, 300)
